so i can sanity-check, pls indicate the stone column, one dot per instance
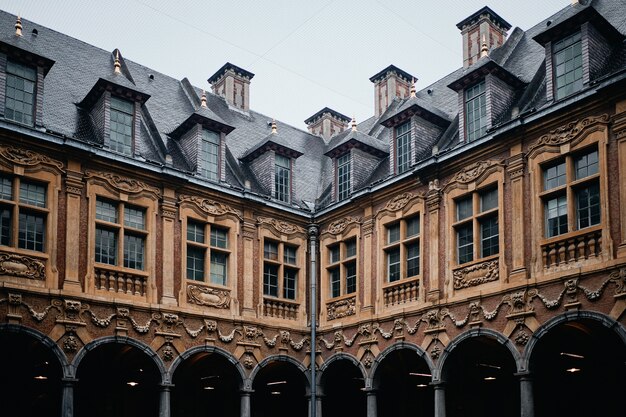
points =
(318, 405)
(164, 400)
(73, 191)
(249, 233)
(372, 407)
(245, 403)
(440, 399)
(527, 402)
(168, 217)
(67, 400)
(516, 174)
(433, 200)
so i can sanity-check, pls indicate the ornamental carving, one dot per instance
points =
(477, 274)
(211, 207)
(26, 157)
(207, 296)
(123, 184)
(338, 226)
(342, 308)
(281, 226)
(398, 202)
(22, 266)
(569, 131)
(70, 345)
(474, 171)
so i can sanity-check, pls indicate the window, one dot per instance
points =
(568, 65)
(207, 259)
(19, 102)
(402, 249)
(403, 147)
(342, 268)
(476, 225)
(343, 176)
(23, 213)
(571, 184)
(280, 270)
(121, 126)
(208, 163)
(282, 178)
(120, 234)
(475, 111)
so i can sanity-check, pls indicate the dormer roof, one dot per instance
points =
(275, 142)
(419, 107)
(206, 118)
(355, 139)
(480, 69)
(21, 48)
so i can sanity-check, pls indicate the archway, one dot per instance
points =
(206, 382)
(479, 375)
(342, 382)
(117, 379)
(402, 379)
(579, 369)
(31, 375)
(280, 389)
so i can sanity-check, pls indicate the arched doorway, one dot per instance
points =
(479, 376)
(403, 382)
(31, 376)
(342, 385)
(206, 383)
(280, 389)
(579, 369)
(117, 380)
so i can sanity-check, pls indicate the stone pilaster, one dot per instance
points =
(515, 170)
(440, 399)
(164, 400)
(433, 201)
(372, 405)
(249, 234)
(67, 400)
(245, 410)
(527, 403)
(73, 190)
(369, 278)
(619, 131)
(168, 217)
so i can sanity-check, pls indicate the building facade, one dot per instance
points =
(166, 251)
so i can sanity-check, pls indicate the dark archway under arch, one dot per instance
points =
(342, 385)
(279, 390)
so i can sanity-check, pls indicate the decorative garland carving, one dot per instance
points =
(568, 132)
(338, 226)
(341, 308)
(22, 266)
(27, 157)
(206, 296)
(477, 274)
(474, 171)
(211, 207)
(281, 226)
(123, 184)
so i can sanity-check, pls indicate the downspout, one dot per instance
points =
(313, 230)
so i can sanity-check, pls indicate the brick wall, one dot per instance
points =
(100, 118)
(263, 169)
(392, 151)
(423, 135)
(461, 107)
(190, 144)
(549, 75)
(362, 164)
(595, 51)
(39, 98)
(499, 98)
(3, 82)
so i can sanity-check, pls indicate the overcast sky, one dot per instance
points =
(305, 54)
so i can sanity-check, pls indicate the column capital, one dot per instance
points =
(313, 230)
(166, 387)
(524, 375)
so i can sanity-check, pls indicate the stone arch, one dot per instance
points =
(369, 381)
(499, 337)
(566, 317)
(122, 340)
(339, 356)
(66, 368)
(279, 358)
(208, 349)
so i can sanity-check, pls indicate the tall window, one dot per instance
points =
(209, 155)
(476, 225)
(121, 126)
(403, 147)
(207, 253)
(568, 65)
(120, 234)
(343, 176)
(342, 268)
(20, 93)
(571, 189)
(282, 178)
(23, 213)
(280, 270)
(402, 249)
(475, 111)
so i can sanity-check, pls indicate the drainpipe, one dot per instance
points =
(313, 230)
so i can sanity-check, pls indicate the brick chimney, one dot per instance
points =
(390, 83)
(327, 123)
(484, 26)
(232, 83)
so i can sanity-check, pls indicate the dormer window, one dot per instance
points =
(208, 164)
(568, 65)
(282, 178)
(476, 111)
(121, 126)
(403, 147)
(343, 176)
(20, 93)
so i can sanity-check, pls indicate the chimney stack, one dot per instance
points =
(327, 123)
(483, 29)
(390, 83)
(232, 83)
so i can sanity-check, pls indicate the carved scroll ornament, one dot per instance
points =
(206, 296)
(26, 157)
(477, 274)
(341, 308)
(211, 207)
(474, 171)
(569, 131)
(123, 184)
(338, 226)
(281, 226)
(22, 266)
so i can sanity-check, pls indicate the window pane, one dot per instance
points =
(489, 199)
(282, 178)
(334, 254)
(31, 231)
(289, 254)
(6, 188)
(5, 226)
(106, 211)
(465, 243)
(403, 147)
(121, 125)
(554, 176)
(464, 208)
(568, 65)
(335, 284)
(32, 194)
(289, 283)
(208, 164)
(489, 236)
(106, 246)
(475, 111)
(586, 165)
(270, 251)
(351, 248)
(20, 93)
(413, 226)
(270, 280)
(393, 233)
(195, 263)
(588, 206)
(219, 237)
(351, 278)
(413, 259)
(133, 252)
(393, 265)
(218, 268)
(343, 177)
(195, 232)
(556, 216)
(134, 218)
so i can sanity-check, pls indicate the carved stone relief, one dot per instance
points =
(211, 207)
(476, 274)
(207, 296)
(22, 266)
(338, 226)
(281, 226)
(569, 131)
(474, 171)
(27, 157)
(341, 308)
(123, 184)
